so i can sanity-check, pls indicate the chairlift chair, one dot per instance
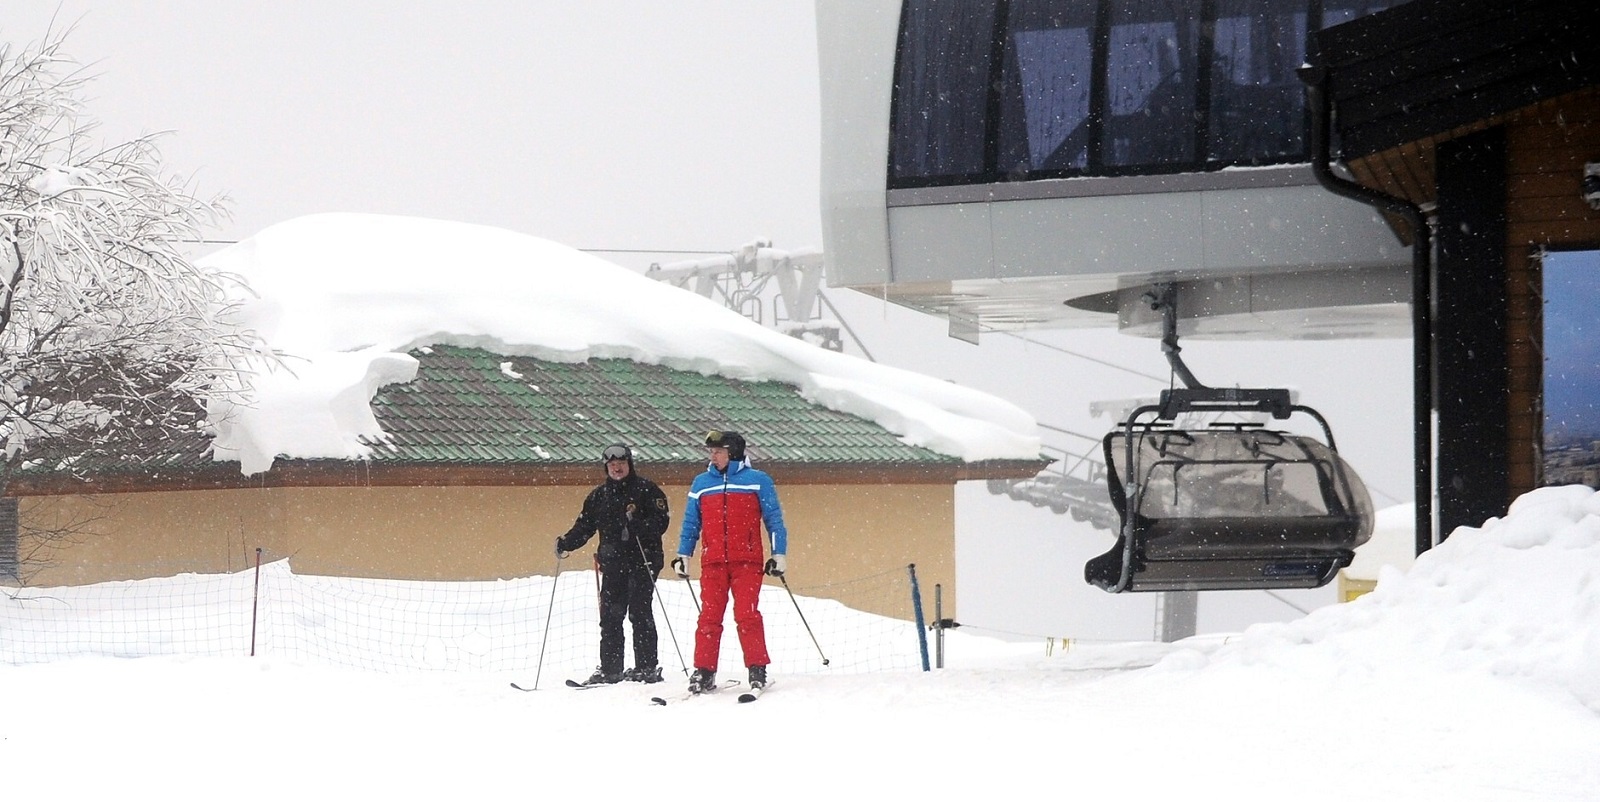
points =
(1228, 506)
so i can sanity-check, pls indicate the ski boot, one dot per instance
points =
(648, 676)
(702, 680)
(601, 677)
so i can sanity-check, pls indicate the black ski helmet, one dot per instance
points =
(616, 451)
(733, 441)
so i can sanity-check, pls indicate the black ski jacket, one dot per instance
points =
(627, 513)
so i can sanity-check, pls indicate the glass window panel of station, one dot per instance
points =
(1257, 110)
(1335, 12)
(1044, 112)
(941, 92)
(1150, 75)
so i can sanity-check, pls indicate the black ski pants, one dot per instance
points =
(626, 592)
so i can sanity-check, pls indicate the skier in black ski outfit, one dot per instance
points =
(630, 513)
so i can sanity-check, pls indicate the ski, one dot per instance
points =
(686, 695)
(583, 686)
(754, 693)
(571, 683)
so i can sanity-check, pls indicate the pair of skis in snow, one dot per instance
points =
(748, 696)
(574, 684)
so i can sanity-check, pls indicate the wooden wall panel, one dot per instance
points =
(1547, 146)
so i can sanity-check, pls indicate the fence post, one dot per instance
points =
(938, 625)
(916, 605)
(255, 603)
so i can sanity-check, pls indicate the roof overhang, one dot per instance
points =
(363, 473)
(1405, 80)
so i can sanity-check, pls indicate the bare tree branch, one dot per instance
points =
(111, 340)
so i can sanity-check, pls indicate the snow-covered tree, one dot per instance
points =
(110, 337)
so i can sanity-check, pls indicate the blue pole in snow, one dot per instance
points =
(916, 604)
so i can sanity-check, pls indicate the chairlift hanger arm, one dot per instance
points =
(1195, 396)
(1164, 298)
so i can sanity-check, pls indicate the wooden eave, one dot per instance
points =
(1405, 80)
(1408, 170)
(362, 473)
(1426, 67)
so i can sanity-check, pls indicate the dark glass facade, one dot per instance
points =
(1011, 90)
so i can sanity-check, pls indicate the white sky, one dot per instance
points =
(614, 124)
(1469, 678)
(640, 125)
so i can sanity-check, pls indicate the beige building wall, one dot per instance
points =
(851, 543)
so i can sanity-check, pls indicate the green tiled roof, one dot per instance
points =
(473, 410)
(470, 406)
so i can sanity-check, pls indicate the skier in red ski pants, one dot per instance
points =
(728, 505)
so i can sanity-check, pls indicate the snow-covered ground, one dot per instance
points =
(1471, 676)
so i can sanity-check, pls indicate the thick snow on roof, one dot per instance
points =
(345, 296)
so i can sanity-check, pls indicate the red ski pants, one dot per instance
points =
(716, 579)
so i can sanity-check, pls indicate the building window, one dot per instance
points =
(941, 101)
(1256, 101)
(8, 540)
(1011, 90)
(1152, 53)
(1571, 368)
(1043, 113)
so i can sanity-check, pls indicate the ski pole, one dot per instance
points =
(785, 581)
(692, 596)
(690, 586)
(554, 578)
(663, 605)
(771, 541)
